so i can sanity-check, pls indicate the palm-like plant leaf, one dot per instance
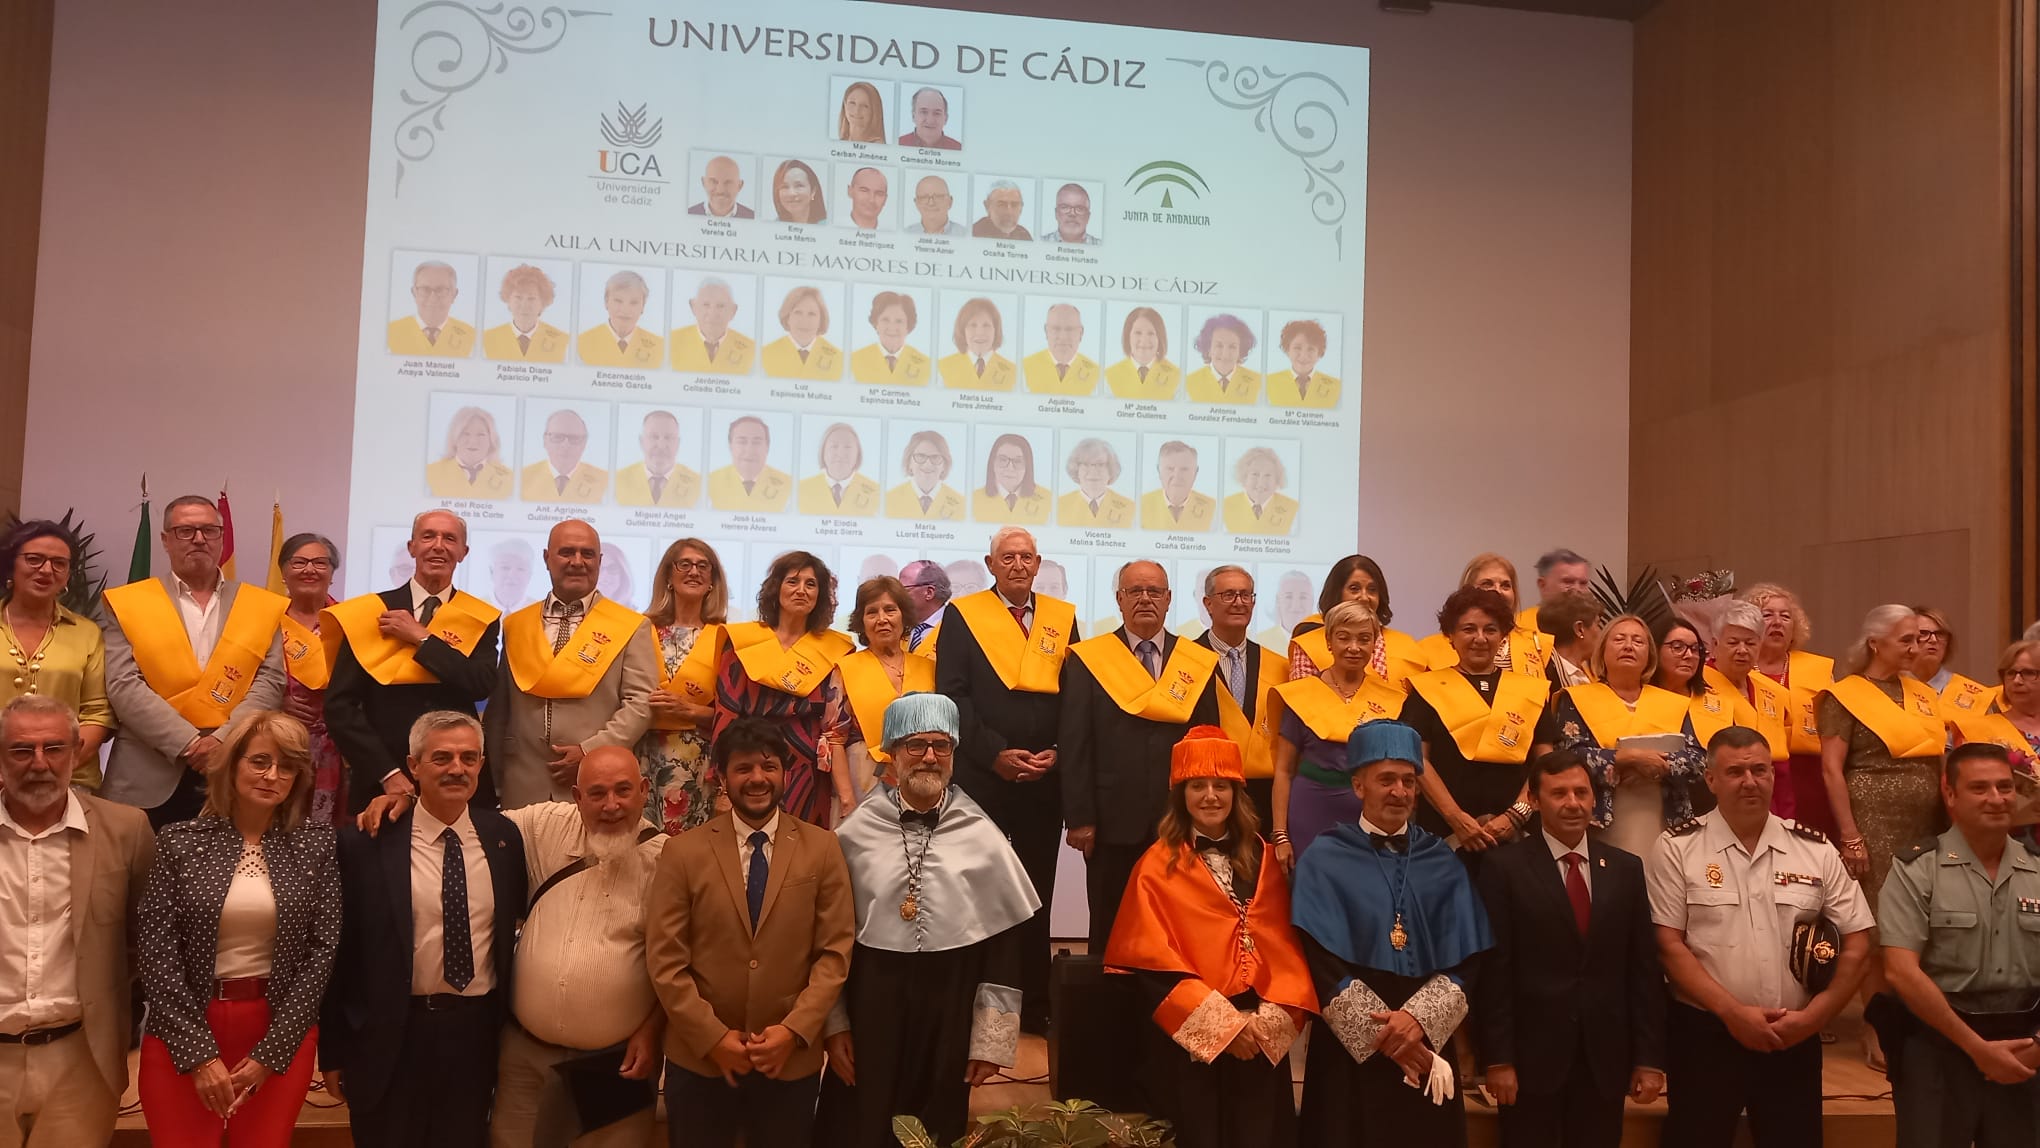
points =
(1645, 597)
(911, 1133)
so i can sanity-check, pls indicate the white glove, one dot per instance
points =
(1439, 1087)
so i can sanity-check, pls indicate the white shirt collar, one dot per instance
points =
(184, 588)
(1221, 648)
(744, 830)
(1559, 848)
(1371, 827)
(419, 593)
(586, 604)
(614, 333)
(73, 818)
(430, 827)
(521, 331)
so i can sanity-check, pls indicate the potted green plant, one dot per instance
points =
(1053, 1124)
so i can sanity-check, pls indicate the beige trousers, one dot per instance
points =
(52, 1096)
(533, 1109)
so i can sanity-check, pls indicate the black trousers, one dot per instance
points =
(1030, 815)
(1714, 1080)
(184, 803)
(445, 1080)
(1944, 1102)
(1105, 876)
(1574, 1115)
(705, 1111)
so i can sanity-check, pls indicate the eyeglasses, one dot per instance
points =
(2022, 675)
(23, 753)
(923, 458)
(1682, 648)
(692, 565)
(559, 439)
(1139, 593)
(1234, 595)
(303, 565)
(262, 763)
(925, 746)
(38, 561)
(1017, 558)
(1932, 635)
(187, 533)
(931, 199)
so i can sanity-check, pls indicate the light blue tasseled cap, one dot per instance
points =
(1371, 742)
(920, 712)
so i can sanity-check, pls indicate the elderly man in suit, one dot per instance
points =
(1128, 698)
(72, 867)
(184, 655)
(748, 941)
(578, 672)
(404, 653)
(416, 1003)
(1571, 1007)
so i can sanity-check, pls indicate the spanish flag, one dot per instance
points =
(276, 582)
(226, 537)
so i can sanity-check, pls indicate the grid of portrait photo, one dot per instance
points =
(735, 325)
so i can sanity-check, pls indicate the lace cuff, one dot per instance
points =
(1209, 1028)
(1274, 1030)
(995, 1025)
(1348, 1014)
(1438, 1008)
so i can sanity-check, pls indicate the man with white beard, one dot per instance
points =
(932, 1006)
(583, 1001)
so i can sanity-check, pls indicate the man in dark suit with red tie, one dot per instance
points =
(404, 653)
(1569, 1010)
(421, 984)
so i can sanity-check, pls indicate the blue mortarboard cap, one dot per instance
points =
(920, 712)
(1371, 742)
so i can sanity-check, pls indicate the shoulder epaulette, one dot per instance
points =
(1689, 825)
(1916, 850)
(1806, 831)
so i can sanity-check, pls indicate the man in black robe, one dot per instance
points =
(932, 1006)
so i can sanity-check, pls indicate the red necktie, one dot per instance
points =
(1576, 892)
(1019, 617)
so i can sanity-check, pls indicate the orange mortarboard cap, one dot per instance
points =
(1205, 751)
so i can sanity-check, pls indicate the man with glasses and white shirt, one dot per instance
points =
(1247, 673)
(185, 654)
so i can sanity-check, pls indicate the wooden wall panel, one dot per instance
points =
(1821, 312)
(25, 27)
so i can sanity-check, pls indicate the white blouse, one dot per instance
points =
(247, 942)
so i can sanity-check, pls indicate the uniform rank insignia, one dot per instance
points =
(1796, 879)
(2029, 904)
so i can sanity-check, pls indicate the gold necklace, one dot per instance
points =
(27, 666)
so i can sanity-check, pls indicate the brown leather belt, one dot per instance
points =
(241, 989)
(41, 1035)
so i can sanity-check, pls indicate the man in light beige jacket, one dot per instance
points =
(64, 988)
(749, 926)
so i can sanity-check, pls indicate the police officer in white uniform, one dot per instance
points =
(1960, 921)
(1732, 893)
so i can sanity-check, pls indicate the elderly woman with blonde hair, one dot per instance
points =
(472, 465)
(802, 353)
(1259, 506)
(1782, 658)
(1094, 466)
(1881, 739)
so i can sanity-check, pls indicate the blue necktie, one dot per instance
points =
(1150, 656)
(453, 913)
(754, 884)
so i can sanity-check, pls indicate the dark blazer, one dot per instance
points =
(371, 722)
(994, 718)
(180, 929)
(369, 999)
(1115, 766)
(1251, 704)
(1543, 988)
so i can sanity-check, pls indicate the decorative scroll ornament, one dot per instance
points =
(1301, 111)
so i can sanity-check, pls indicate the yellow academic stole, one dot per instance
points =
(1772, 705)
(1500, 733)
(460, 622)
(1609, 718)
(1030, 662)
(795, 669)
(694, 678)
(1809, 674)
(1529, 651)
(577, 669)
(1405, 656)
(1712, 711)
(155, 629)
(1254, 738)
(304, 654)
(1966, 696)
(1914, 731)
(1168, 698)
(870, 691)
(1996, 729)
(1333, 718)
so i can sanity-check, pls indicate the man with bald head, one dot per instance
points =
(1128, 698)
(563, 475)
(931, 121)
(431, 331)
(721, 180)
(932, 200)
(1061, 367)
(659, 479)
(404, 653)
(578, 670)
(709, 345)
